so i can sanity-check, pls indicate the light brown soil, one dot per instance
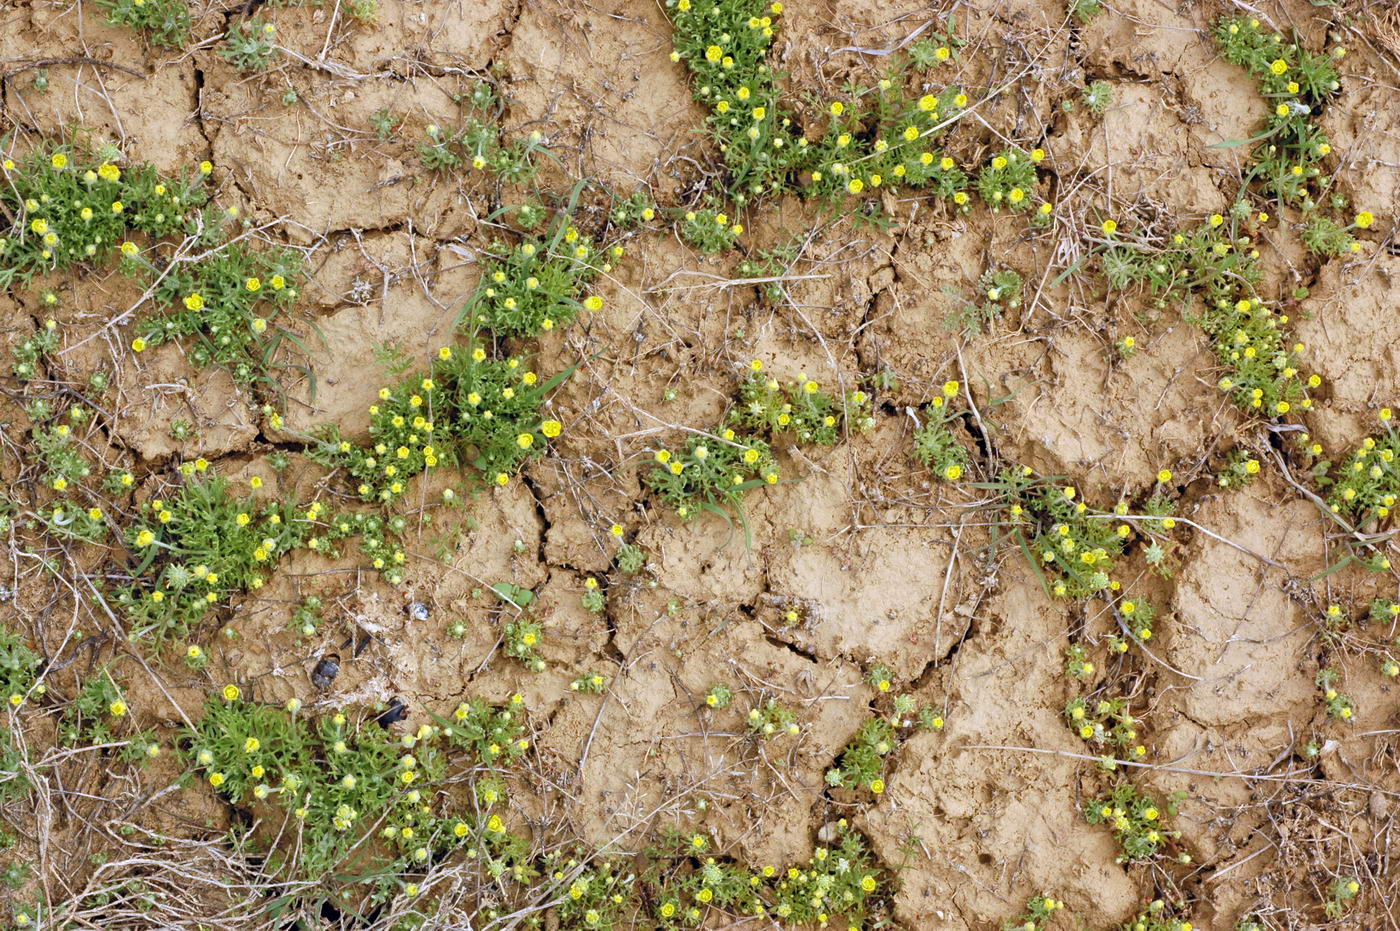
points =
(883, 564)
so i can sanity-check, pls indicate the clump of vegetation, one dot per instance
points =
(19, 669)
(1039, 912)
(935, 445)
(1289, 160)
(713, 472)
(1241, 468)
(477, 143)
(998, 290)
(249, 45)
(537, 285)
(1136, 820)
(69, 205)
(1157, 918)
(767, 407)
(203, 544)
(1222, 271)
(1339, 706)
(710, 229)
(165, 23)
(74, 206)
(862, 761)
(885, 136)
(1105, 723)
(466, 410)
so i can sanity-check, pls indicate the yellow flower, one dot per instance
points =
(1164, 476)
(1110, 227)
(928, 103)
(877, 786)
(253, 284)
(1278, 66)
(194, 301)
(1364, 219)
(525, 440)
(59, 161)
(714, 53)
(118, 708)
(231, 692)
(953, 472)
(950, 389)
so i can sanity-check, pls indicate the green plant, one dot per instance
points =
(997, 292)
(768, 408)
(1156, 918)
(467, 409)
(1040, 910)
(94, 715)
(1098, 97)
(306, 619)
(70, 205)
(862, 761)
(770, 263)
(1135, 819)
(631, 558)
(711, 473)
(1008, 181)
(203, 545)
(1241, 468)
(1085, 10)
(771, 719)
(538, 285)
(166, 23)
(632, 211)
(385, 123)
(709, 229)
(1366, 484)
(1338, 705)
(250, 45)
(522, 636)
(1340, 894)
(1105, 722)
(1077, 665)
(935, 445)
(719, 696)
(591, 683)
(594, 600)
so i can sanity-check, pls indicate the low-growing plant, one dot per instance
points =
(710, 229)
(522, 637)
(998, 290)
(1339, 706)
(771, 719)
(935, 444)
(249, 45)
(467, 410)
(1340, 894)
(1136, 820)
(1105, 723)
(19, 669)
(1157, 918)
(1039, 912)
(533, 287)
(165, 23)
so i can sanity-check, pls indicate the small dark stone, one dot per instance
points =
(395, 713)
(325, 671)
